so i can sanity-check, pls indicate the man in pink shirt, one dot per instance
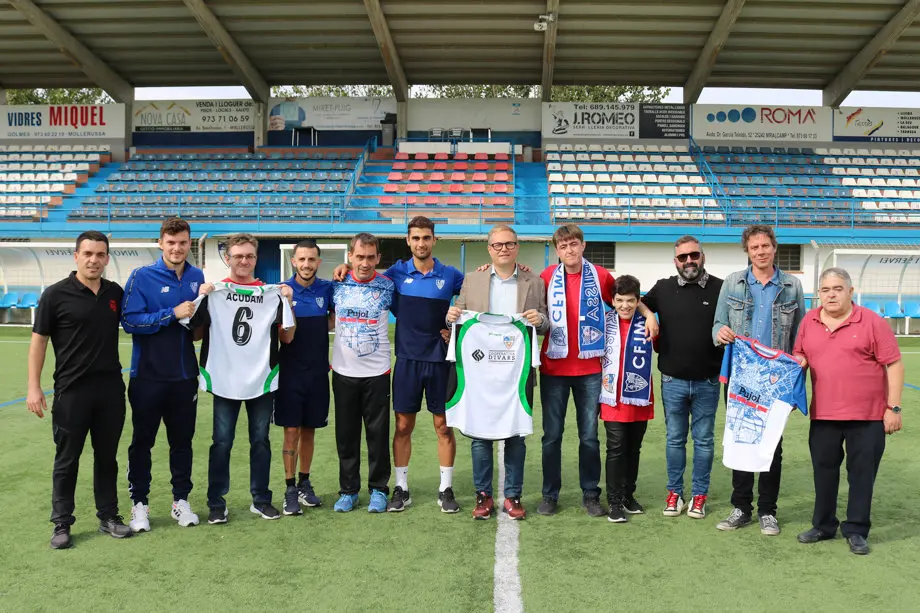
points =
(857, 376)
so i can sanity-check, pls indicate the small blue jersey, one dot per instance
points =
(310, 348)
(764, 386)
(420, 308)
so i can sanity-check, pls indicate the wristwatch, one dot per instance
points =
(895, 409)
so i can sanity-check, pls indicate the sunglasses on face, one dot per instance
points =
(693, 255)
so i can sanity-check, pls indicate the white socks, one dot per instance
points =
(402, 477)
(447, 478)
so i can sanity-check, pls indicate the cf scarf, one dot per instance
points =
(590, 315)
(636, 387)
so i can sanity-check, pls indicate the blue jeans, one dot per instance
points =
(515, 451)
(554, 395)
(226, 413)
(689, 405)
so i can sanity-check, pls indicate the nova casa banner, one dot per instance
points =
(193, 116)
(762, 123)
(62, 121)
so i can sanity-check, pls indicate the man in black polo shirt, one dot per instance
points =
(689, 364)
(80, 315)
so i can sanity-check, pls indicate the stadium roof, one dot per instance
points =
(835, 45)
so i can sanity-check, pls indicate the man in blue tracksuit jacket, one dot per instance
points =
(164, 370)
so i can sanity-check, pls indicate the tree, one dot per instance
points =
(57, 95)
(332, 91)
(475, 91)
(561, 93)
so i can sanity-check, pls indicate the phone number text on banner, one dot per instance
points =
(590, 120)
(193, 116)
(761, 123)
(874, 125)
(63, 121)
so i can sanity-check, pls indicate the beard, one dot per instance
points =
(690, 272)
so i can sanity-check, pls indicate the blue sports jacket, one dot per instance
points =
(163, 349)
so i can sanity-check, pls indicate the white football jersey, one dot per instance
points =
(494, 356)
(239, 355)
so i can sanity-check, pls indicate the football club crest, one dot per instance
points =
(375, 295)
(320, 301)
(558, 337)
(194, 286)
(774, 377)
(589, 335)
(439, 283)
(608, 382)
(508, 341)
(634, 382)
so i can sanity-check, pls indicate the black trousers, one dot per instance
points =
(624, 441)
(362, 400)
(767, 487)
(175, 403)
(865, 444)
(93, 406)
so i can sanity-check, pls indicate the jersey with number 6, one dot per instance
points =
(239, 353)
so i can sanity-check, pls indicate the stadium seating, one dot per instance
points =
(299, 185)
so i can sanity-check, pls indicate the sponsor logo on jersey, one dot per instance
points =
(589, 334)
(113, 306)
(478, 355)
(235, 297)
(558, 337)
(293, 303)
(407, 281)
(634, 382)
(164, 289)
(502, 356)
(440, 283)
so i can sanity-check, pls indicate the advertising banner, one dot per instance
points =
(193, 116)
(62, 121)
(590, 120)
(329, 113)
(664, 121)
(762, 123)
(876, 125)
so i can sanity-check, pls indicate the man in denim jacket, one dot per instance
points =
(766, 304)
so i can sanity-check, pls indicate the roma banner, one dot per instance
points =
(761, 123)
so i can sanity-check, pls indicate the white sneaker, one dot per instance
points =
(139, 520)
(182, 513)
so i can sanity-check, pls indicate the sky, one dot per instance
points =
(711, 95)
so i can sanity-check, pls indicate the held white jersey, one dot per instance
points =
(494, 355)
(239, 356)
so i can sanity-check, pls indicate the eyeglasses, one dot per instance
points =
(246, 257)
(693, 255)
(499, 246)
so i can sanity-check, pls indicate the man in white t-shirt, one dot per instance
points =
(361, 375)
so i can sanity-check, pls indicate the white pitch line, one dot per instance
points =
(506, 593)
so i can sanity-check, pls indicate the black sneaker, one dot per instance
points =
(400, 500)
(265, 510)
(218, 515)
(548, 507)
(115, 526)
(632, 506)
(60, 538)
(616, 514)
(447, 502)
(592, 505)
(291, 502)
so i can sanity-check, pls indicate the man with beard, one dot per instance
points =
(424, 289)
(302, 401)
(689, 364)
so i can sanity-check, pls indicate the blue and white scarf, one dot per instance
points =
(636, 387)
(590, 315)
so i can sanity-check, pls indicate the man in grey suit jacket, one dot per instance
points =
(507, 290)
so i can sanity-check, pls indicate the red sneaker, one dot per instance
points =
(514, 509)
(484, 506)
(674, 505)
(698, 507)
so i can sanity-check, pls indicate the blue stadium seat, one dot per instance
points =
(912, 309)
(893, 310)
(873, 306)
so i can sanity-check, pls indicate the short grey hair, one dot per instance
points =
(838, 272)
(687, 238)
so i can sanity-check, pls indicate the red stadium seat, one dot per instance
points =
(394, 176)
(500, 176)
(501, 156)
(436, 176)
(416, 176)
(479, 188)
(431, 200)
(481, 156)
(420, 166)
(433, 188)
(421, 156)
(440, 165)
(500, 201)
(402, 156)
(390, 188)
(461, 166)
(413, 188)
(479, 176)
(460, 155)
(502, 166)
(399, 166)
(453, 200)
(411, 200)
(500, 188)
(481, 166)
(458, 176)
(440, 156)
(456, 188)
(386, 200)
